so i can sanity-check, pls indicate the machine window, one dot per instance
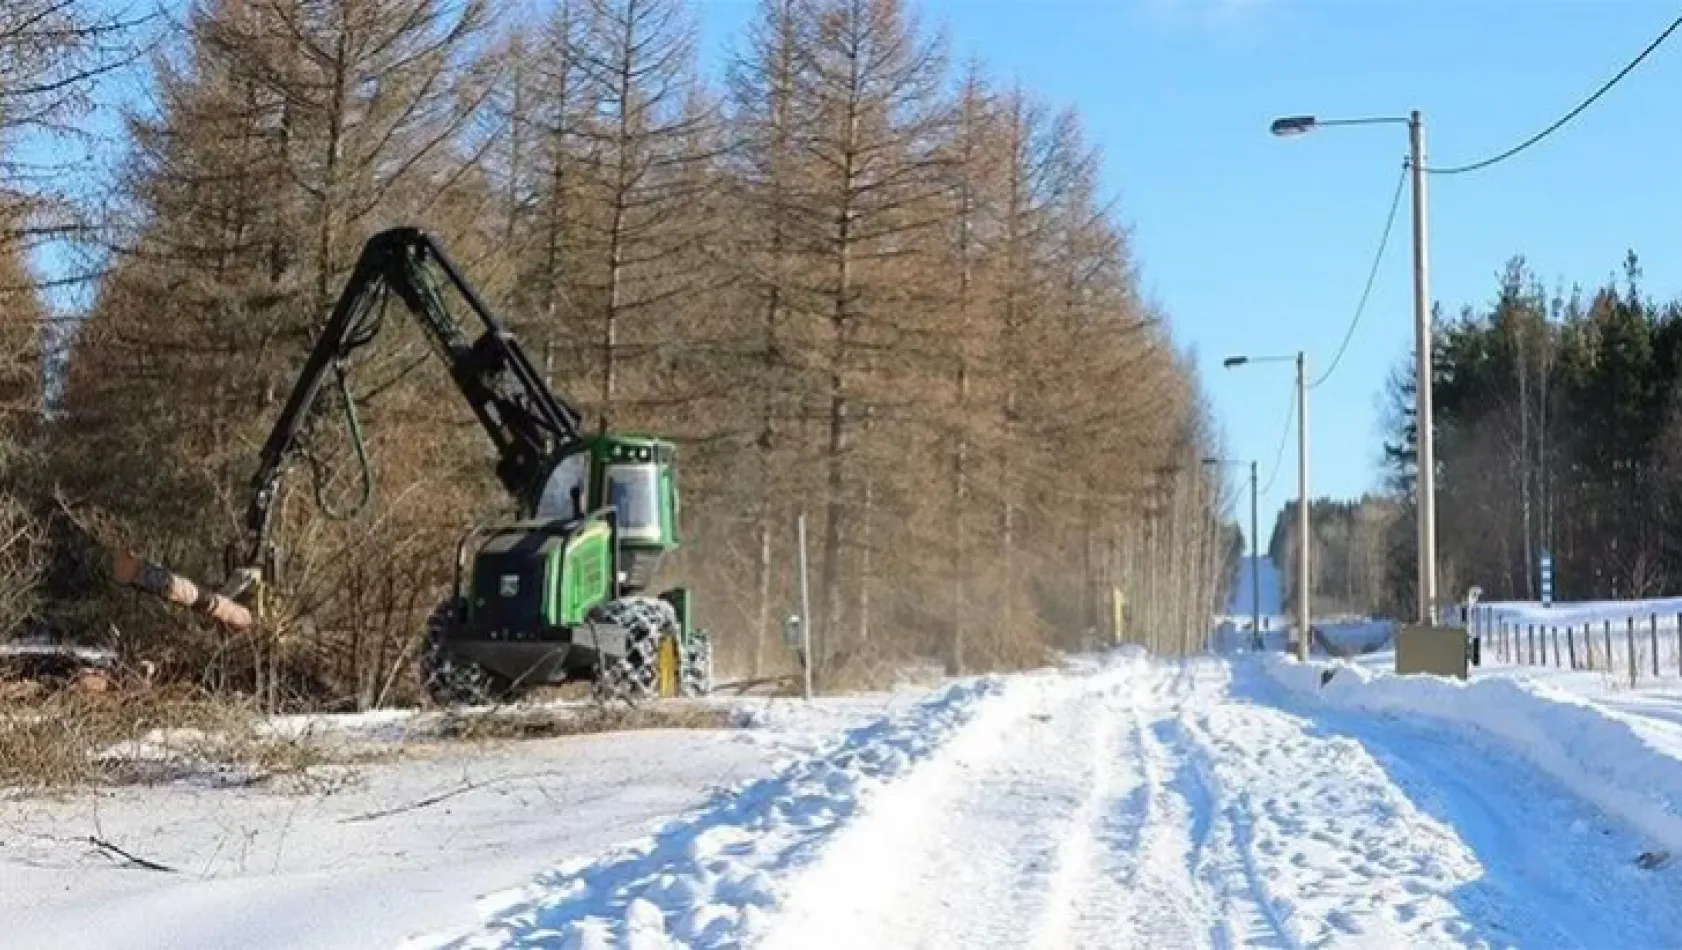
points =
(634, 490)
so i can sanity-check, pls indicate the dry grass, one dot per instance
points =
(64, 739)
(554, 722)
(70, 739)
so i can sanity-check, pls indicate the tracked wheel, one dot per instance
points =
(451, 679)
(634, 676)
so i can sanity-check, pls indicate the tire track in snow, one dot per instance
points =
(1064, 904)
(988, 845)
(1111, 877)
(1175, 871)
(1223, 863)
(1142, 886)
(963, 852)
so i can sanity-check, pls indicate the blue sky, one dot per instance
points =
(1261, 245)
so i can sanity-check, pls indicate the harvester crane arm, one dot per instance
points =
(530, 426)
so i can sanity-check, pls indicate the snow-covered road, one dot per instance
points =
(1197, 805)
(1128, 803)
(1115, 802)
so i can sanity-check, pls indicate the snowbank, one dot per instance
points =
(707, 879)
(1630, 769)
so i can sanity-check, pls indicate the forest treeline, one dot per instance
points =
(1351, 570)
(851, 277)
(1558, 429)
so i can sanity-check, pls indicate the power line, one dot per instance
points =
(1284, 436)
(1539, 136)
(1372, 276)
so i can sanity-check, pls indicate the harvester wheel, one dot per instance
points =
(451, 679)
(645, 620)
(698, 664)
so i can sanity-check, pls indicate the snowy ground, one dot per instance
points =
(1116, 802)
(395, 848)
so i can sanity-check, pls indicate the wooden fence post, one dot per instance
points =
(1653, 626)
(1571, 643)
(1608, 645)
(1629, 626)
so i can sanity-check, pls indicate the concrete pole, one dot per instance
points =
(1255, 565)
(1426, 597)
(1302, 509)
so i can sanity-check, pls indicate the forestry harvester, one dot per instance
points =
(559, 593)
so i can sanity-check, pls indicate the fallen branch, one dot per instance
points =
(467, 785)
(742, 686)
(140, 862)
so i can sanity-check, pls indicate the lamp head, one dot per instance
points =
(1292, 125)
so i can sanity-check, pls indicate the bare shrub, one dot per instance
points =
(22, 560)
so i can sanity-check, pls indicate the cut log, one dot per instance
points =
(161, 582)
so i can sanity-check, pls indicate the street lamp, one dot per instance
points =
(1302, 486)
(1425, 596)
(1255, 553)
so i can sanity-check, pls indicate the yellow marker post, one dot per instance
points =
(667, 667)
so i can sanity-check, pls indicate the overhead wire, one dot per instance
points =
(1395, 205)
(1372, 277)
(1284, 436)
(1539, 136)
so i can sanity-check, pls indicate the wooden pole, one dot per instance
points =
(1631, 638)
(1653, 627)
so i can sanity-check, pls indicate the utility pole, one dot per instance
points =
(1302, 484)
(1426, 487)
(1302, 509)
(1255, 565)
(1255, 544)
(1425, 594)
